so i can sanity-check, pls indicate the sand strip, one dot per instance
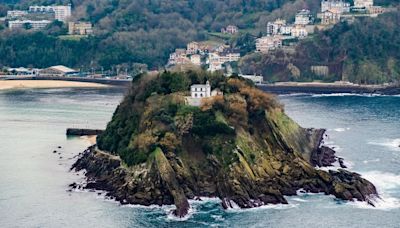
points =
(46, 84)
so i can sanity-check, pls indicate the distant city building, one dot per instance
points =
(178, 57)
(21, 71)
(320, 70)
(192, 48)
(268, 43)
(61, 13)
(338, 5)
(303, 17)
(330, 17)
(256, 79)
(16, 13)
(278, 27)
(196, 59)
(299, 31)
(217, 59)
(376, 10)
(80, 28)
(230, 29)
(363, 3)
(58, 71)
(28, 24)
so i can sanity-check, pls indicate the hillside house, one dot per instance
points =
(217, 59)
(196, 59)
(192, 48)
(11, 14)
(28, 24)
(268, 43)
(278, 27)
(178, 57)
(230, 29)
(330, 17)
(303, 17)
(80, 28)
(299, 31)
(363, 4)
(338, 5)
(61, 13)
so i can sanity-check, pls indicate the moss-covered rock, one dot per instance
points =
(240, 147)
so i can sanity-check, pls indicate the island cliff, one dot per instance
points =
(239, 147)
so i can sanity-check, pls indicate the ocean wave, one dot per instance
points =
(172, 217)
(237, 209)
(341, 129)
(386, 184)
(349, 94)
(293, 95)
(371, 161)
(393, 144)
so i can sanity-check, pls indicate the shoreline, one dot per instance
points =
(328, 88)
(46, 84)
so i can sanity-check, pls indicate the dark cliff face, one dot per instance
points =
(240, 147)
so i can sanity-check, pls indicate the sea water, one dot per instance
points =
(34, 172)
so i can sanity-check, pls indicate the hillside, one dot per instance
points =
(144, 32)
(239, 146)
(362, 52)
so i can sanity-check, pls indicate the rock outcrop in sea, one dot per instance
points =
(240, 147)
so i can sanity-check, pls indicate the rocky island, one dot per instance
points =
(237, 145)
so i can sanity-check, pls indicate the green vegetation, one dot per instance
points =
(362, 52)
(132, 32)
(154, 114)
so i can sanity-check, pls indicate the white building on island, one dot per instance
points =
(200, 90)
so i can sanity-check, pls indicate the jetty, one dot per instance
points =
(329, 88)
(83, 132)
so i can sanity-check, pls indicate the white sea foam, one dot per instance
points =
(385, 183)
(352, 95)
(172, 217)
(237, 209)
(392, 144)
(371, 161)
(294, 94)
(298, 199)
(341, 129)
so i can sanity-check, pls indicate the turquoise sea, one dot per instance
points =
(365, 130)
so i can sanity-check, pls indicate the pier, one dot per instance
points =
(83, 132)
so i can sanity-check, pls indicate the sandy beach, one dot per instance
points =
(90, 138)
(38, 84)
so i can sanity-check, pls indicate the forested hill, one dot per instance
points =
(130, 33)
(139, 31)
(366, 51)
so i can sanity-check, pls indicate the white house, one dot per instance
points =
(267, 43)
(299, 31)
(61, 13)
(338, 5)
(35, 25)
(196, 59)
(363, 3)
(16, 13)
(200, 90)
(303, 17)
